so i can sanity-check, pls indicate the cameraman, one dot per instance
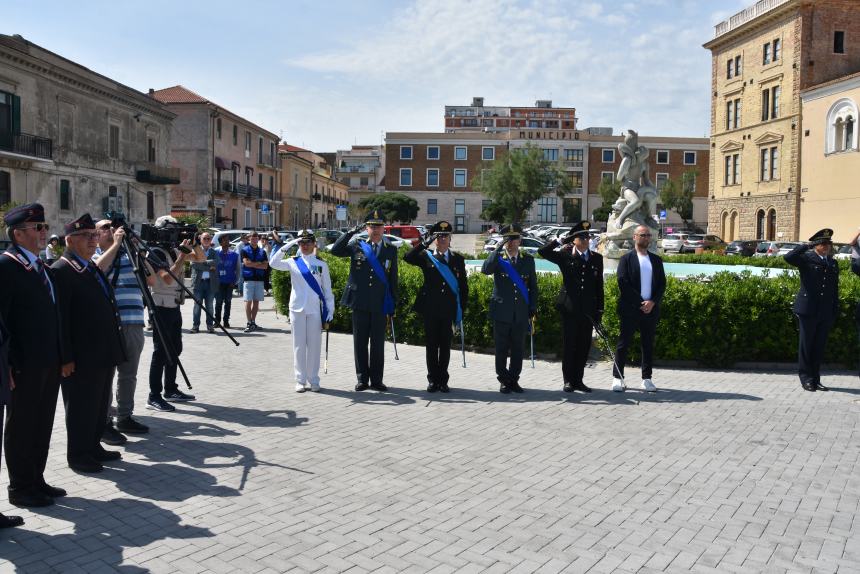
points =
(113, 260)
(167, 296)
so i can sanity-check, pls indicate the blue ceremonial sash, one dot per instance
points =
(449, 278)
(312, 283)
(388, 301)
(515, 277)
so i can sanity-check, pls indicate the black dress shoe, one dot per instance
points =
(568, 387)
(10, 521)
(32, 498)
(808, 386)
(361, 386)
(112, 436)
(432, 388)
(515, 386)
(582, 387)
(504, 389)
(129, 425)
(444, 388)
(820, 387)
(107, 455)
(51, 491)
(86, 465)
(379, 387)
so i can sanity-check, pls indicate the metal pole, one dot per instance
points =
(463, 343)
(394, 337)
(326, 350)
(532, 336)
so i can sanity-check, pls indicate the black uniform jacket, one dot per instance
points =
(30, 314)
(819, 283)
(630, 282)
(507, 304)
(583, 280)
(91, 332)
(435, 296)
(4, 363)
(364, 291)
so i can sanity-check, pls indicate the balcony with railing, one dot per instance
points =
(265, 160)
(758, 9)
(157, 174)
(249, 190)
(27, 145)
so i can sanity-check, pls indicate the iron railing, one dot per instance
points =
(27, 144)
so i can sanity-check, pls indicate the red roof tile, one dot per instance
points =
(178, 95)
(288, 147)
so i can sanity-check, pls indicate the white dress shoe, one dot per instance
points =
(315, 388)
(618, 385)
(648, 386)
(300, 388)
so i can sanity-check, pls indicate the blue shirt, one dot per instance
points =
(228, 261)
(248, 273)
(129, 300)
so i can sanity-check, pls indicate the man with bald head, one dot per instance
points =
(642, 282)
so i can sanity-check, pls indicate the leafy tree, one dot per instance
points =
(201, 220)
(393, 206)
(609, 192)
(679, 196)
(514, 182)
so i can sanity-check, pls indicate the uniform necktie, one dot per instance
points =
(40, 268)
(91, 268)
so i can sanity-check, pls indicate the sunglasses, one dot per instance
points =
(37, 227)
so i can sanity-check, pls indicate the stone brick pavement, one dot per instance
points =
(718, 472)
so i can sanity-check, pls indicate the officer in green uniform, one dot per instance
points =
(371, 293)
(513, 304)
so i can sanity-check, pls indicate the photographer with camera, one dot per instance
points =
(167, 296)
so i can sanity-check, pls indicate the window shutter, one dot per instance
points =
(16, 115)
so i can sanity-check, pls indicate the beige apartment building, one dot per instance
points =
(829, 194)
(326, 192)
(762, 59)
(296, 192)
(362, 168)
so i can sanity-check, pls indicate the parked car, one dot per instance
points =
(704, 242)
(392, 239)
(786, 247)
(843, 251)
(774, 248)
(528, 244)
(674, 242)
(744, 248)
(404, 231)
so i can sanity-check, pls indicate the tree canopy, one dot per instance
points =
(678, 196)
(515, 181)
(393, 206)
(609, 191)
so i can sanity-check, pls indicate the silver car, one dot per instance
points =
(674, 242)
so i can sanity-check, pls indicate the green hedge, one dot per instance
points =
(719, 321)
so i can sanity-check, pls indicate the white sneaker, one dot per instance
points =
(300, 388)
(618, 385)
(648, 386)
(315, 388)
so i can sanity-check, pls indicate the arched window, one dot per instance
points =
(841, 122)
(724, 229)
(771, 224)
(733, 226)
(759, 224)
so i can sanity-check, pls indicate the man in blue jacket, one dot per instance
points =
(642, 283)
(816, 304)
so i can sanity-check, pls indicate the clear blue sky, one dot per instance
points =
(327, 75)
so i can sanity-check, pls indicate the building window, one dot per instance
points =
(774, 163)
(571, 209)
(488, 153)
(485, 204)
(839, 42)
(727, 170)
(460, 153)
(661, 180)
(235, 142)
(759, 224)
(150, 150)
(547, 209)
(769, 168)
(459, 207)
(777, 49)
(770, 103)
(730, 69)
(738, 65)
(771, 224)
(774, 102)
(608, 155)
(842, 126)
(150, 205)
(406, 152)
(432, 152)
(433, 177)
(5, 188)
(732, 172)
(607, 176)
(432, 206)
(550, 154)
(663, 156)
(363, 181)
(733, 114)
(113, 142)
(247, 218)
(573, 154)
(576, 181)
(766, 54)
(459, 178)
(737, 118)
(247, 143)
(65, 195)
(406, 176)
(737, 166)
(218, 128)
(689, 158)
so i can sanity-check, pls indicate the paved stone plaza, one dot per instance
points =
(719, 471)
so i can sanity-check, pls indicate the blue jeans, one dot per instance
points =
(204, 293)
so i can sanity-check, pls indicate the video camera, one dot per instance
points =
(170, 236)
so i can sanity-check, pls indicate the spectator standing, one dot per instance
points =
(204, 283)
(52, 250)
(229, 270)
(254, 264)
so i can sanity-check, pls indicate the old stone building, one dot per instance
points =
(762, 59)
(77, 141)
(296, 192)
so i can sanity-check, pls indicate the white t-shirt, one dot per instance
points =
(645, 274)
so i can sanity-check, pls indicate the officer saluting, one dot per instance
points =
(816, 304)
(371, 292)
(580, 303)
(441, 300)
(513, 304)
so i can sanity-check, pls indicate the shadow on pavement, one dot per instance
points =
(102, 530)
(392, 397)
(165, 482)
(240, 415)
(844, 390)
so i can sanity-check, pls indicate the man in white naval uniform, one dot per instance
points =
(311, 306)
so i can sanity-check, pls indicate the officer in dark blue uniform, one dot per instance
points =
(28, 304)
(512, 306)
(816, 304)
(436, 301)
(5, 384)
(371, 293)
(580, 302)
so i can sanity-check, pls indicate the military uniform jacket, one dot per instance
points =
(435, 296)
(583, 280)
(4, 363)
(819, 283)
(506, 303)
(30, 314)
(364, 291)
(90, 331)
